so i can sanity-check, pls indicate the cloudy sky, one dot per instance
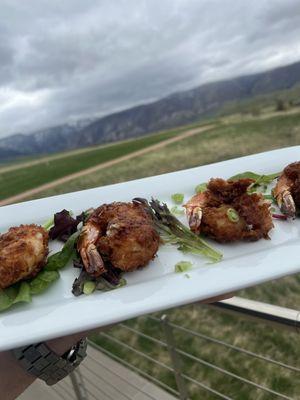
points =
(63, 60)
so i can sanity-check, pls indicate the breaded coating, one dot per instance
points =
(221, 191)
(256, 213)
(215, 224)
(209, 212)
(23, 252)
(122, 233)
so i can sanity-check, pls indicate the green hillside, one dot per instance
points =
(227, 140)
(22, 178)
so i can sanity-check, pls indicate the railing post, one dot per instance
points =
(175, 358)
(78, 385)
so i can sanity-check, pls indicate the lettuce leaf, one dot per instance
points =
(41, 282)
(24, 294)
(61, 258)
(259, 179)
(243, 175)
(64, 225)
(6, 299)
(18, 293)
(21, 292)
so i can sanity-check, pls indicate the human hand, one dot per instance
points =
(15, 379)
(217, 298)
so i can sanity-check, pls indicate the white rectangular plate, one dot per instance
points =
(57, 312)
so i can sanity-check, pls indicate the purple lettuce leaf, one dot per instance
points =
(64, 225)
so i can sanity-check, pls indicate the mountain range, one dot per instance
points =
(171, 111)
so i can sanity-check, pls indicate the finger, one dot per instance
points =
(217, 298)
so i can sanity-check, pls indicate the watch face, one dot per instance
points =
(72, 356)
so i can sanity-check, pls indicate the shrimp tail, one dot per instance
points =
(286, 188)
(195, 217)
(92, 261)
(194, 210)
(287, 205)
(89, 253)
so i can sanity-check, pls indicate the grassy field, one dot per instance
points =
(24, 177)
(228, 140)
(224, 142)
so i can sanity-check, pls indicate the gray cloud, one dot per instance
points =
(65, 60)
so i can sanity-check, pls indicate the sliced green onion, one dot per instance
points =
(183, 266)
(177, 198)
(89, 287)
(187, 276)
(201, 187)
(177, 211)
(232, 215)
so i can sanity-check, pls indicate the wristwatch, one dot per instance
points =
(39, 360)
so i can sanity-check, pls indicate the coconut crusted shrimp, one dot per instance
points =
(287, 190)
(23, 252)
(226, 212)
(122, 233)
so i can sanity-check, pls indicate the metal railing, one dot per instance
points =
(240, 307)
(279, 317)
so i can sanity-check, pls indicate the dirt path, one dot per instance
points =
(64, 155)
(96, 168)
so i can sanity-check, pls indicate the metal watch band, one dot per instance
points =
(40, 361)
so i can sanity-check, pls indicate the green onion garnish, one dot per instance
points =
(183, 266)
(89, 287)
(201, 187)
(232, 215)
(177, 198)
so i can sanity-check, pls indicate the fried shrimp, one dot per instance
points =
(226, 212)
(122, 233)
(287, 190)
(23, 252)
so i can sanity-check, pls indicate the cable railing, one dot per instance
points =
(175, 364)
(201, 361)
(136, 369)
(233, 347)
